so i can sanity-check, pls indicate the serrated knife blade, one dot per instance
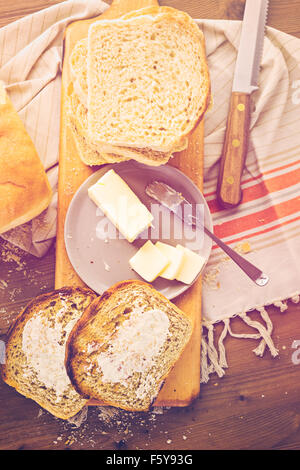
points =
(251, 46)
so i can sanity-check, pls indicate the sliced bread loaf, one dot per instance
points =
(87, 154)
(148, 82)
(78, 70)
(96, 154)
(125, 345)
(78, 115)
(35, 350)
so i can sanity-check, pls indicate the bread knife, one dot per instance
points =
(245, 81)
(173, 200)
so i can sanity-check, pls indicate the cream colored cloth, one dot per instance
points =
(30, 67)
(265, 227)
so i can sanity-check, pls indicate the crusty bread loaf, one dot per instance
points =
(148, 82)
(35, 350)
(125, 345)
(24, 188)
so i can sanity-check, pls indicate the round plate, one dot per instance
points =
(101, 260)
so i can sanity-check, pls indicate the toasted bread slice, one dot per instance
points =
(35, 350)
(148, 81)
(125, 345)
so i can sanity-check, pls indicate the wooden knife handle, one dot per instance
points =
(234, 151)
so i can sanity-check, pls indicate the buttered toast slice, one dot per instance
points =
(125, 345)
(35, 350)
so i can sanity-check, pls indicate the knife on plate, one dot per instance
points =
(238, 123)
(173, 200)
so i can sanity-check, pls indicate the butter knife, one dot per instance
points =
(173, 200)
(238, 123)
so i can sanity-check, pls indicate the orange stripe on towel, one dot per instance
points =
(269, 229)
(251, 221)
(263, 188)
(260, 175)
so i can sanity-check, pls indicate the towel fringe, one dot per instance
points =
(213, 359)
(282, 305)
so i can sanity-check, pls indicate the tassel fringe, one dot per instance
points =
(213, 359)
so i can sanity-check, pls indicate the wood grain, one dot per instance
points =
(255, 406)
(183, 384)
(234, 151)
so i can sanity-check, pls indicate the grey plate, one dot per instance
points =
(100, 260)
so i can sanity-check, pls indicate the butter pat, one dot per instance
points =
(191, 265)
(149, 262)
(175, 258)
(120, 205)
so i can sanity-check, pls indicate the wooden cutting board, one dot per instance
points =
(183, 384)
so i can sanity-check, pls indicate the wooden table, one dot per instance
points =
(255, 406)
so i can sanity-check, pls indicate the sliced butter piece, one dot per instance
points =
(175, 258)
(191, 265)
(149, 262)
(120, 205)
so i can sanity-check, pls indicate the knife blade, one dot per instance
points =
(245, 81)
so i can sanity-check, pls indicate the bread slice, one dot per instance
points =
(92, 154)
(148, 81)
(78, 70)
(89, 153)
(35, 350)
(125, 345)
(78, 116)
(25, 191)
(89, 156)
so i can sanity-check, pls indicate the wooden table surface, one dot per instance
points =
(255, 406)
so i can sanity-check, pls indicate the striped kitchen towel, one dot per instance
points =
(265, 227)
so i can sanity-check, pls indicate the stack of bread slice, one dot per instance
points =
(138, 87)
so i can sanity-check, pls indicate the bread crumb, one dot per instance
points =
(210, 278)
(243, 248)
(11, 253)
(80, 432)
(80, 418)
